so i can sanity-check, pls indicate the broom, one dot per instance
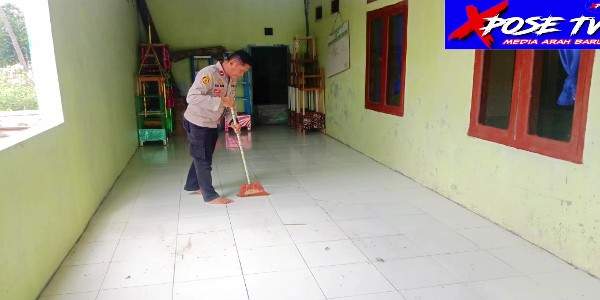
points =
(249, 189)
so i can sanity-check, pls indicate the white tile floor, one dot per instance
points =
(337, 226)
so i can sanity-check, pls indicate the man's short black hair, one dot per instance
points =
(243, 56)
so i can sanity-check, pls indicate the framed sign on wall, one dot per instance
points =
(338, 50)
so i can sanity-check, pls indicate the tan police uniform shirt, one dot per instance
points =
(205, 107)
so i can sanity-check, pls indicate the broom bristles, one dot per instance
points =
(252, 189)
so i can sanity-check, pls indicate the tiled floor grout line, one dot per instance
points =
(432, 256)
(237, 251)
(353, 243)
(359, 249)
(137, 196)
(368, 294)
(379, 271)
(521, 273)
(297, 171)
(298, 249)
(176, 242)
(110, 263)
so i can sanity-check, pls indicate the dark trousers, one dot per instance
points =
(202, 142)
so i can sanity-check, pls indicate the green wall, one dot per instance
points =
(234, 24)
(58, 178)
(553, 203)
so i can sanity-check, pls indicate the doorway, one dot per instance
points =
(270, 84)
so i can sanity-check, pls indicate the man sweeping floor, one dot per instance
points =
(207, 100)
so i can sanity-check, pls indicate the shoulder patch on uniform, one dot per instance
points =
(205, 80)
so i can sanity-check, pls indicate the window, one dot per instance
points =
(29, 90)
(319, 13)
(386, 59)
(533, 100)
(335, 6)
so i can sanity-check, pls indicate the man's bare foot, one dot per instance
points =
(221, 200)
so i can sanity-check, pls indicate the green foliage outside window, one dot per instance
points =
(16, 85)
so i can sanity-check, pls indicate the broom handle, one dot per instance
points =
(234, 117)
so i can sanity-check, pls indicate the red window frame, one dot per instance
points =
(522, 103)
(385, 14)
